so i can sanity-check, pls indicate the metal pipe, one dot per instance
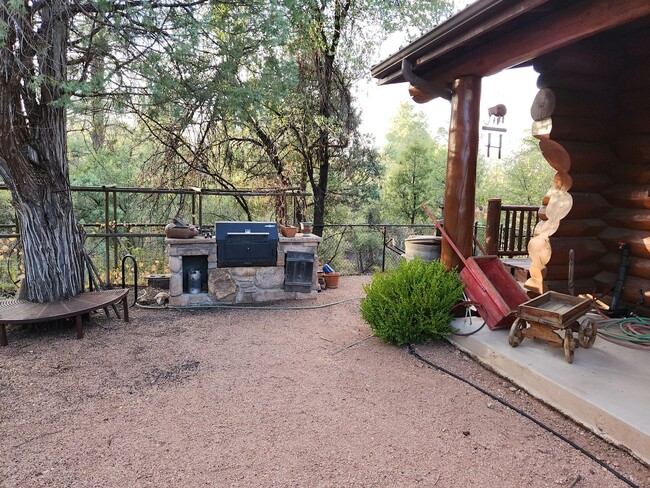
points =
(383, 249)
(426, 85)
(114, 228)
(135, 276)
(107, 248)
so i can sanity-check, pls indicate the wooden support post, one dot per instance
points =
(460, 187)
(492, 226)
(79, 326)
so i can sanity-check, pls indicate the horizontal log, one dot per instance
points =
(562, 181)
(572, 128)
(639, 268)
(561, 205)
(631, 101)
(629, 218)
(420, 96)
(639, 241)
(580, 228)
(630, 173)
(635, 45)
(574, 21)
(589, 182)
(587, 205)
(581, 271)
(634, 287)
(587, 249)
(638, 123)
(535, 285)
(566, 80)
(580, 286)
(635, 75)
(628, 196)
(565, 103)
(633, 148)
(577, 157)
(590, 56)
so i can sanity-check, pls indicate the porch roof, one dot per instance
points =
(492, 35)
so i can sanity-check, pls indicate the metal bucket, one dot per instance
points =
(194, 281)
(427, 248)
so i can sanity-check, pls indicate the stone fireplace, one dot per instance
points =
(196, 257)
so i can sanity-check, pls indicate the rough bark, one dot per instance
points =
(33, 142)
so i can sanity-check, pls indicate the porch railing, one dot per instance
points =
(509, 228)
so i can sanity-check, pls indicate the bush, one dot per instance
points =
(412, 303)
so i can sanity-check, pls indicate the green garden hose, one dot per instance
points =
(632, 331)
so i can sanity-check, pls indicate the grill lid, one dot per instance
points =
(246, 243)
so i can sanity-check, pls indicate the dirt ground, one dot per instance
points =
(271, 398)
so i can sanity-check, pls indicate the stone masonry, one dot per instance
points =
(254, 284)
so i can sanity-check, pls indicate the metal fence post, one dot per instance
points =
(107, 245)
(115, 239)
(383, 250)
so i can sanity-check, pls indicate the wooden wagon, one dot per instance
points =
(554, 317)
(487, 282)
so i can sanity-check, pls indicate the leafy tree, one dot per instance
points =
(268, 98)
(416, 166)
(43, 46)
(229, 90)
(520, 179)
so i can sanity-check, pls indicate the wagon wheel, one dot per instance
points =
(569, 345)
(516, 336)
(587, 333)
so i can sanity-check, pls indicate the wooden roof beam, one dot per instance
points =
(580, 19)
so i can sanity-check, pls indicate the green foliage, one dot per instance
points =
(520, 179)
(416, 167)
(412, 303)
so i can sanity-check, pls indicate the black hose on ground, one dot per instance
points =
(467, 304)
(413, 352)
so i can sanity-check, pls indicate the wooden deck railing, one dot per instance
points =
(509, 228)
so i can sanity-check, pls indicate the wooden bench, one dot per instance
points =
(24, 312)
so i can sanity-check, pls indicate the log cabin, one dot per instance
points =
(591, 117)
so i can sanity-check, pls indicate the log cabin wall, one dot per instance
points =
(592, 119)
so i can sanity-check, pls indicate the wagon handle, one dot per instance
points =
(453, 246)
(444, 234)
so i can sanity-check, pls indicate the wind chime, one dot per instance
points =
(496, 116)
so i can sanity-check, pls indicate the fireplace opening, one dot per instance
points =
(195, 274)
(298, 271)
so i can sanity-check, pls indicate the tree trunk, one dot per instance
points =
(33, 147)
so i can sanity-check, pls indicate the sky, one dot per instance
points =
(515, 88)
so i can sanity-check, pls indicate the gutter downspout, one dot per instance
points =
(421, 83)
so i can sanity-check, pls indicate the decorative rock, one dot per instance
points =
(221, 284)
(175, 264)
(175, 285)
(242, 271)
(267, 278)
(179, 301)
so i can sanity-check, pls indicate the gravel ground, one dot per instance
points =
(262, 398)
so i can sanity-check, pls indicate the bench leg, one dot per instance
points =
(125, 306)
(3, 335)
(79, 326)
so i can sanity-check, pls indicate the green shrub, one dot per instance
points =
(412, 303)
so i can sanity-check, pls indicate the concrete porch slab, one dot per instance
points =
(606, 389)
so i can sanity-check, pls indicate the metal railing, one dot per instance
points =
(349, 248)
(104, 219)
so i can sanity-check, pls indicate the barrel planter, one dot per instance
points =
(426, 248)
